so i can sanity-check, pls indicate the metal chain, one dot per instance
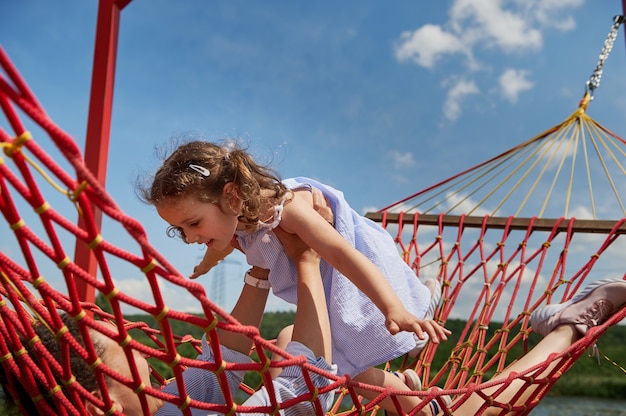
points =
(594, 80)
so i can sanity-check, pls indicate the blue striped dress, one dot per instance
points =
(359, 337)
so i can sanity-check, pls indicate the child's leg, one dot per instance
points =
(283, 338)
(378, 377)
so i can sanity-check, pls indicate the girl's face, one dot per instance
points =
(203, 222)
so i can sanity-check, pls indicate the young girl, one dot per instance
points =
(209, 193)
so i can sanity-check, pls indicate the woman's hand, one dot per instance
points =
(295, 248)
(321, 205)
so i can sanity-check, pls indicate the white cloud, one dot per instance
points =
(368, 208)
(456, 94)
(549, 13)
(401, 160)
(513, 81)
(462, 204)
(426, 45)
(581, 212)
(499, 26)
(175, 297)
(489, 23)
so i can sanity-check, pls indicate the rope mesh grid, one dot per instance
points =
(27, 172)
(501, 272)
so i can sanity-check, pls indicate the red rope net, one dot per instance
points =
(493, 276)
(26, 294)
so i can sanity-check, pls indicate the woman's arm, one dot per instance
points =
(248, 311)
(312, 325)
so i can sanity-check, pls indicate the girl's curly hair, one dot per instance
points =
(202, 169)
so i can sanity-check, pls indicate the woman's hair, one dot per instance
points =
(201, 169)
(80, 369)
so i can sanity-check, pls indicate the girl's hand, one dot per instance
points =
(211, 259)
(401, 320)
(201, 268)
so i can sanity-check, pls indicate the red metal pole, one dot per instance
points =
(99, 121)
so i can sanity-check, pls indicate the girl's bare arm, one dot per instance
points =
(211, 258)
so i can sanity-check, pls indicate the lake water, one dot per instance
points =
(579, 406)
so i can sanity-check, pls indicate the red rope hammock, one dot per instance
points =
(496, 270)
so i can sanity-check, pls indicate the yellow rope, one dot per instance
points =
(186, 403)
(61, 265)
(112, 293)
(232, 410)
(95, 364)
(64, 330)
(126, 341)
(610, 360)
(162, 314)
(140, 388)
(570, 144)
(95, 242)
(16, 146)
(175, 361)
(111, 411)
(212, 325)
(561, 154)
(69, 381)
(149, 267)
(589, 184)
(604, 166)
(22, 298)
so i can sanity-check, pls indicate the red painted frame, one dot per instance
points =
(99, 120)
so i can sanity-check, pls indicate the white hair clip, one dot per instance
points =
(200, 169)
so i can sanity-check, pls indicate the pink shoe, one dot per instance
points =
(590, 307)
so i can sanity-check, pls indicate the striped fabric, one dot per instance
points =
(360, 339)
(203, 386)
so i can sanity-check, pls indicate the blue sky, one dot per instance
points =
(377, 99)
